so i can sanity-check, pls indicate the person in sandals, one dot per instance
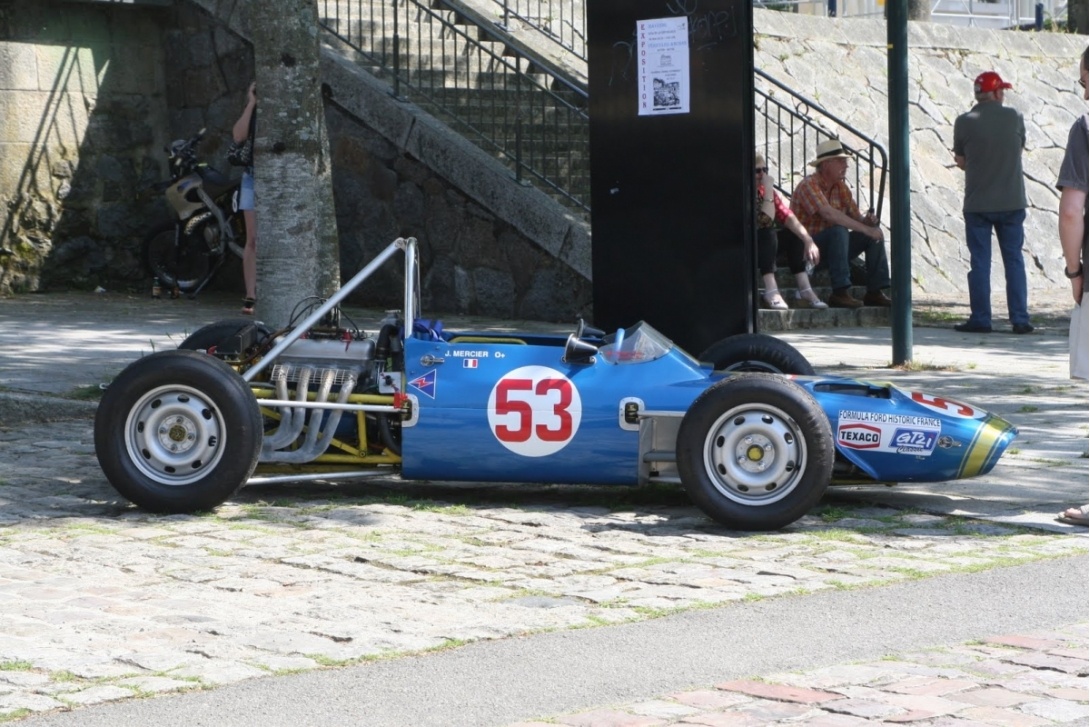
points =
(773, 214)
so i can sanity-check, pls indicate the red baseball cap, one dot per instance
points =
(988, 82)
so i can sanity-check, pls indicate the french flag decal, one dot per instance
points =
(469, 363)
(425, 384)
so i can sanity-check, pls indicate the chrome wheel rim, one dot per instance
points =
(175, 435)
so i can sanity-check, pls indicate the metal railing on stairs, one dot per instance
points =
(460, 69)
(789, 128)
(465, 74)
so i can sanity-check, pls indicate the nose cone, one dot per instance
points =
(991, 441)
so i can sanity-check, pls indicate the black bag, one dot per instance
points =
(241, 154)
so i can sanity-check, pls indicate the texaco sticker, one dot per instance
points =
(534, 411)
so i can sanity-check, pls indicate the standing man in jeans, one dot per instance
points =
(824, 204)
(988, 144)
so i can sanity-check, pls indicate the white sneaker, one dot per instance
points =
(809, 299)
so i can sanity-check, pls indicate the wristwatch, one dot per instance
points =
(1072, 275)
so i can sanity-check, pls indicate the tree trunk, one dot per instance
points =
(919, 10)
(297, 250)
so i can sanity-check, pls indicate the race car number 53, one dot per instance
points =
(534, 411)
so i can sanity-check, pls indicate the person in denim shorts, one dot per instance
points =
(243, 130)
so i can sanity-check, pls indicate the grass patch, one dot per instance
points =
(924, 317)
(16, 665)
(922, 366)
(89, 392)
(16, 715)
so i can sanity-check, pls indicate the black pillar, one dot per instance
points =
(672, 188)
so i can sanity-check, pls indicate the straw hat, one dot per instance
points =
(829, 149)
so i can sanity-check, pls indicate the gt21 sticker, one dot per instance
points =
(534, 411)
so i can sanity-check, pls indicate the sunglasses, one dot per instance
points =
(761, 170)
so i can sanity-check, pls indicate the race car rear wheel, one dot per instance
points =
(177, 432)
(755, 452)
(223, 338)
(757, 352)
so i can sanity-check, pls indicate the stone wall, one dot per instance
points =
(841, 63)
(90, 95)
(474, 261)
(83, 108)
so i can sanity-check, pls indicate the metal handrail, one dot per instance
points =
(793, 128)
(540, 129)
(477, 84)
(557, 23)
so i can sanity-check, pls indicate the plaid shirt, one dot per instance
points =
(809, 198)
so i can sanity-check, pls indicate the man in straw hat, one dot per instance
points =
(824, 204)
(988, 143)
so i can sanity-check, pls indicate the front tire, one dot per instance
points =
(755, 452)
(178, 432)
(757, 352)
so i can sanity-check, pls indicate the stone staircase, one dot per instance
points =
(472, 80)
(785, 320)
(456, 70)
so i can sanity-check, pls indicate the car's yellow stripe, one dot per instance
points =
(984, 442)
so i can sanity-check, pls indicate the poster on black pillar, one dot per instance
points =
(671, 139)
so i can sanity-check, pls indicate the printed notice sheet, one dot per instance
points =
(663, 47)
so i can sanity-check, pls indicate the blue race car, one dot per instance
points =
(752, 434)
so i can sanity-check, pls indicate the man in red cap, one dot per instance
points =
(988, 144)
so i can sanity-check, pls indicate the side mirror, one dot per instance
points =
(579, 351)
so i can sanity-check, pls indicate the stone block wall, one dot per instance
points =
(841, 63)
(83, 108)
(180, 70)
(91, 92)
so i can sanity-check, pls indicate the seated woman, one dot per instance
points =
(772, 213)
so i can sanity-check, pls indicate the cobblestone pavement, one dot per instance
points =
(100, 601)
(1026, 680)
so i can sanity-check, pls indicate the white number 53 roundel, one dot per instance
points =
(534, 411)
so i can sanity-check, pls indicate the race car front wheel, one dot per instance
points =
(755, 452)
(178, 432)
(757, 352)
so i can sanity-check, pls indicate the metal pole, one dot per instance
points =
(397, 56)
(1039, 16)
(832, 8)
(900, 209)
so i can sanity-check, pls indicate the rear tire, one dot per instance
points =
(757, 352)
(755, 451)
(223, 338)
(178, 432)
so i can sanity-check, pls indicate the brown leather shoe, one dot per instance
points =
(877, 298)
(843, 299)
